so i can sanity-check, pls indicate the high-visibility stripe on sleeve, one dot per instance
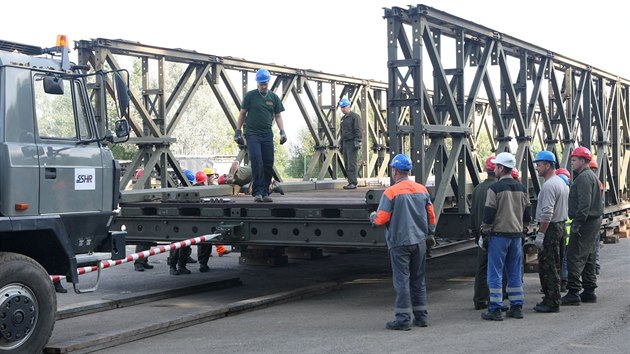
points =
(430, 213)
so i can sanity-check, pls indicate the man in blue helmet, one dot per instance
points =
(259, 109)
(551, 214)
(507, 208)
(407, 212)
(350, 127)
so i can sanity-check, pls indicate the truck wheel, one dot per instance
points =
(28, 304)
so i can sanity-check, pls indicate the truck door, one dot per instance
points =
(71, 167)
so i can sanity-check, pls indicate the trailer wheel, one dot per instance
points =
(27, 304)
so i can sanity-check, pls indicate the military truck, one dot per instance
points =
(59, 185)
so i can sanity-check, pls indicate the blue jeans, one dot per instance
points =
(260, 150)
(408, 267)
(505, 252)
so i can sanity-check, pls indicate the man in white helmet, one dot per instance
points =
(507, 208)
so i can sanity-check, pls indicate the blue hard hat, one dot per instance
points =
(190, 175)
(401, 162)
(344, 102)
(564, 178)
(262, 75)
(546, 156)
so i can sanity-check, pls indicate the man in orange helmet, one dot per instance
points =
(478, 203)
(586, 209)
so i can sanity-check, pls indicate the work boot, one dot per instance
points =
(267, 199)
(515, 312)
(571, 298)
(204, 268)
(350, 186)
(138, 267)
(420, 322)
(588, 295)
(60, 289)
(481, 305)
(190, 260)
(147, 266)
(491, 315)
(397, 326)
(544, 308)
(258, 198)
(183, 270)
(174, 271)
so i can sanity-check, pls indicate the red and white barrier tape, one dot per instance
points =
(140, 255)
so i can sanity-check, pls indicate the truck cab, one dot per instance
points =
(59, 187)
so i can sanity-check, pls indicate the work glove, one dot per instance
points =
(430, 240)
(540, 237)
(372, 218)
(283, 137)
(483, 242)
(238, 137)
(357, 144)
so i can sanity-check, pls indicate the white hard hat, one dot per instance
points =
(505, 159)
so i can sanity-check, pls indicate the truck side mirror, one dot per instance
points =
(53, 85)
(121, 127)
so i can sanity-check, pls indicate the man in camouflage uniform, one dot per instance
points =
(551, 214)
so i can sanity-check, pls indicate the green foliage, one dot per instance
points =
(124, 151)
(300, 155)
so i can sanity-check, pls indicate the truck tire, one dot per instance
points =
(28, 304)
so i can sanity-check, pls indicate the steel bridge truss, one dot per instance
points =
(489, 86)
(156, 111)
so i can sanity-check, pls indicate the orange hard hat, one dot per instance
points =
(200, 177)
(582, 152)
(222, 179)
(593, 164)
(489, 166)
(139, 173)
(564, 171)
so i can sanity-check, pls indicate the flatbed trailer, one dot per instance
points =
(323, 217)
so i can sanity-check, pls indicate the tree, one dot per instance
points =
(300, 154)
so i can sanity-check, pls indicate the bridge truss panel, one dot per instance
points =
(157, 111)
(458, 91)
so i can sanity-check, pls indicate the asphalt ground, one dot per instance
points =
(351, 318)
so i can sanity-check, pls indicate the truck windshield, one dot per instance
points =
(62, 115)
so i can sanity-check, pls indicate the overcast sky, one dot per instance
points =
(340, 37)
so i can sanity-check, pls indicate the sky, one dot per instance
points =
(346, 37)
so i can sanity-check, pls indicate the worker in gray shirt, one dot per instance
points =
(551, 214)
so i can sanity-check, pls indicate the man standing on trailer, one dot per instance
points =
(350, 127)
(407, 212)
(507, 208)
(551, 214)
(259, 109)
(586, 209)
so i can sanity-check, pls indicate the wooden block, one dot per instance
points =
(611, 239)
(625, 234)
(304, 253)
(531, 267)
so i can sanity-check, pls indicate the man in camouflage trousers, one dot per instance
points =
(551, 214)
